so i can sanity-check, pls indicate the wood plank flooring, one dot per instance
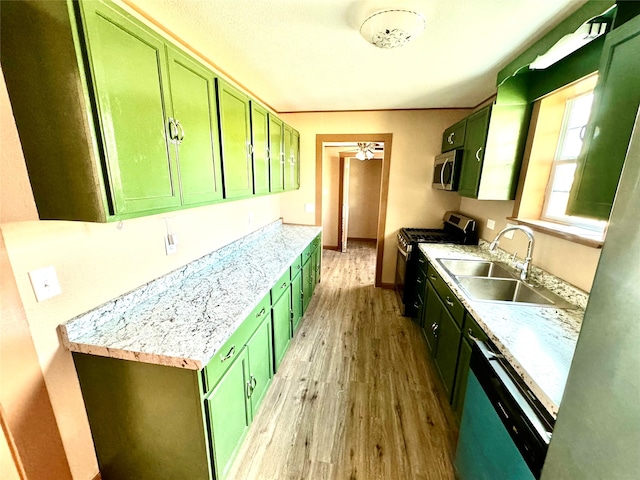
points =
(355, 397)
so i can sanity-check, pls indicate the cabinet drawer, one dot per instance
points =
(448, 298)
(472, 330)
(453, 137)
(296, 266)
(280, 287)
(225, 357)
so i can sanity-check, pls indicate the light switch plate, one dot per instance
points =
(491, 224)
(45, 283)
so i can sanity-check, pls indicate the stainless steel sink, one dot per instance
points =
(509, 290)
(493, 282)
(475, 268)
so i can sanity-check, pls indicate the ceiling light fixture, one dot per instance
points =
(393, 28)
(365, 151)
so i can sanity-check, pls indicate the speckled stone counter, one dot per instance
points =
(183, 318)
(537, 341)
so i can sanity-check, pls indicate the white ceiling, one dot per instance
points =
(308, 55)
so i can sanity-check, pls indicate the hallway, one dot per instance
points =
(355, 397)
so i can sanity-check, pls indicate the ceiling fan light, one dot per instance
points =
(392, 28)
(360, 155)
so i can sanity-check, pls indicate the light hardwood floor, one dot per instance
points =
(355, 397)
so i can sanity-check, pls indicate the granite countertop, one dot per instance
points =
(537, 341)
(183, 318)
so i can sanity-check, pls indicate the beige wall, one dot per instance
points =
(417, 136)
(570, 261)
(364, 198)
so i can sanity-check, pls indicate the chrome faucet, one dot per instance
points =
(524, 266)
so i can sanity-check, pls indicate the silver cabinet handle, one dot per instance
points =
(230, 353)
(432, 277)
(254, 382)
(472, 336)
(173, 129)
(181, 136)
(268, 154)
(260, 313)
(450, 138)
(284, 285)
(434, 329)
(478, 154)
(421, 260)
(448, 301)
(418, 280)
(249, 389)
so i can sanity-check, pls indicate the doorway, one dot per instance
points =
(358, 196)
(385, 139)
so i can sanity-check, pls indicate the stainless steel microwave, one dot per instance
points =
(446, 170)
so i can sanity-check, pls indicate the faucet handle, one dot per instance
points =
(514, 258)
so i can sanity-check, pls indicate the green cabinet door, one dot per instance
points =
(281, 317)
(235, 137)
(289, 171)
(295, 158)
(296, 300)
(446, 356)
(462, 373)
(608, 132)
(276, 154)
(432, 310)
(194, 129)
(472, 158)
(307, 283)
(130, 85)
(260, 364)
(228, 413)
(260, 148)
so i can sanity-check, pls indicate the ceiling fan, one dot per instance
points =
(367, 150)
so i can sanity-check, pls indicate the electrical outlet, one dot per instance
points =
(491, 224)
(171, 243)
(509, 234)
(45, 283)
(309, 207)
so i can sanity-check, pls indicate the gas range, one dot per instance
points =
(457, 229)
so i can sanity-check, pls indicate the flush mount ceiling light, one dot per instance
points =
(393, 28)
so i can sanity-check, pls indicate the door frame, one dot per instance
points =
(387, 139)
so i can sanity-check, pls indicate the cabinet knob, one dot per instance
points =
(449, 301)
(230, 353)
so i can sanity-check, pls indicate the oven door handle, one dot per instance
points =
(444, 165)
(402, 252)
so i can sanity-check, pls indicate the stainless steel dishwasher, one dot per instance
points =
(505, 432)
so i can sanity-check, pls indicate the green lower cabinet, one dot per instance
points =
(281, 318)
(432, 308)
(260, 364)
(229, 415)
(446, 356)
(296, 300)
(307, 283)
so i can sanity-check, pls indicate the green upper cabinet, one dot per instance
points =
(493, 148)
(194, 129)
(131, 84)
(276, 153)
(260, 148)
(235, 136)
(291, 158)
(453, 137)
(476, 134)
(615, 105)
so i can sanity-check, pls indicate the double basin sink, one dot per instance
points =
(491, 281)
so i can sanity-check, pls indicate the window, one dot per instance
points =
(576, 115)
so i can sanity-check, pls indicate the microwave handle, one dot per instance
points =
(442, 173)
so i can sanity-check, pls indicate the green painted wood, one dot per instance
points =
(453, 137)
(462, 374)
(260, 148)
(260, 364)
(296, 300)
(280, 287)
(474, 145)
(281, 317)
(307, 284)
(229, 414)
(608, 132)
(446, 357)
(295, 152)
(432, 311)
(276, 154)
(147, 421)
(130, 80)
(194, 107)
(235, 137)
(289, 159)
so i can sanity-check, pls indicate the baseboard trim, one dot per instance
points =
(330, 247)
(359, 239)
(97, 477)
(388, 286)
